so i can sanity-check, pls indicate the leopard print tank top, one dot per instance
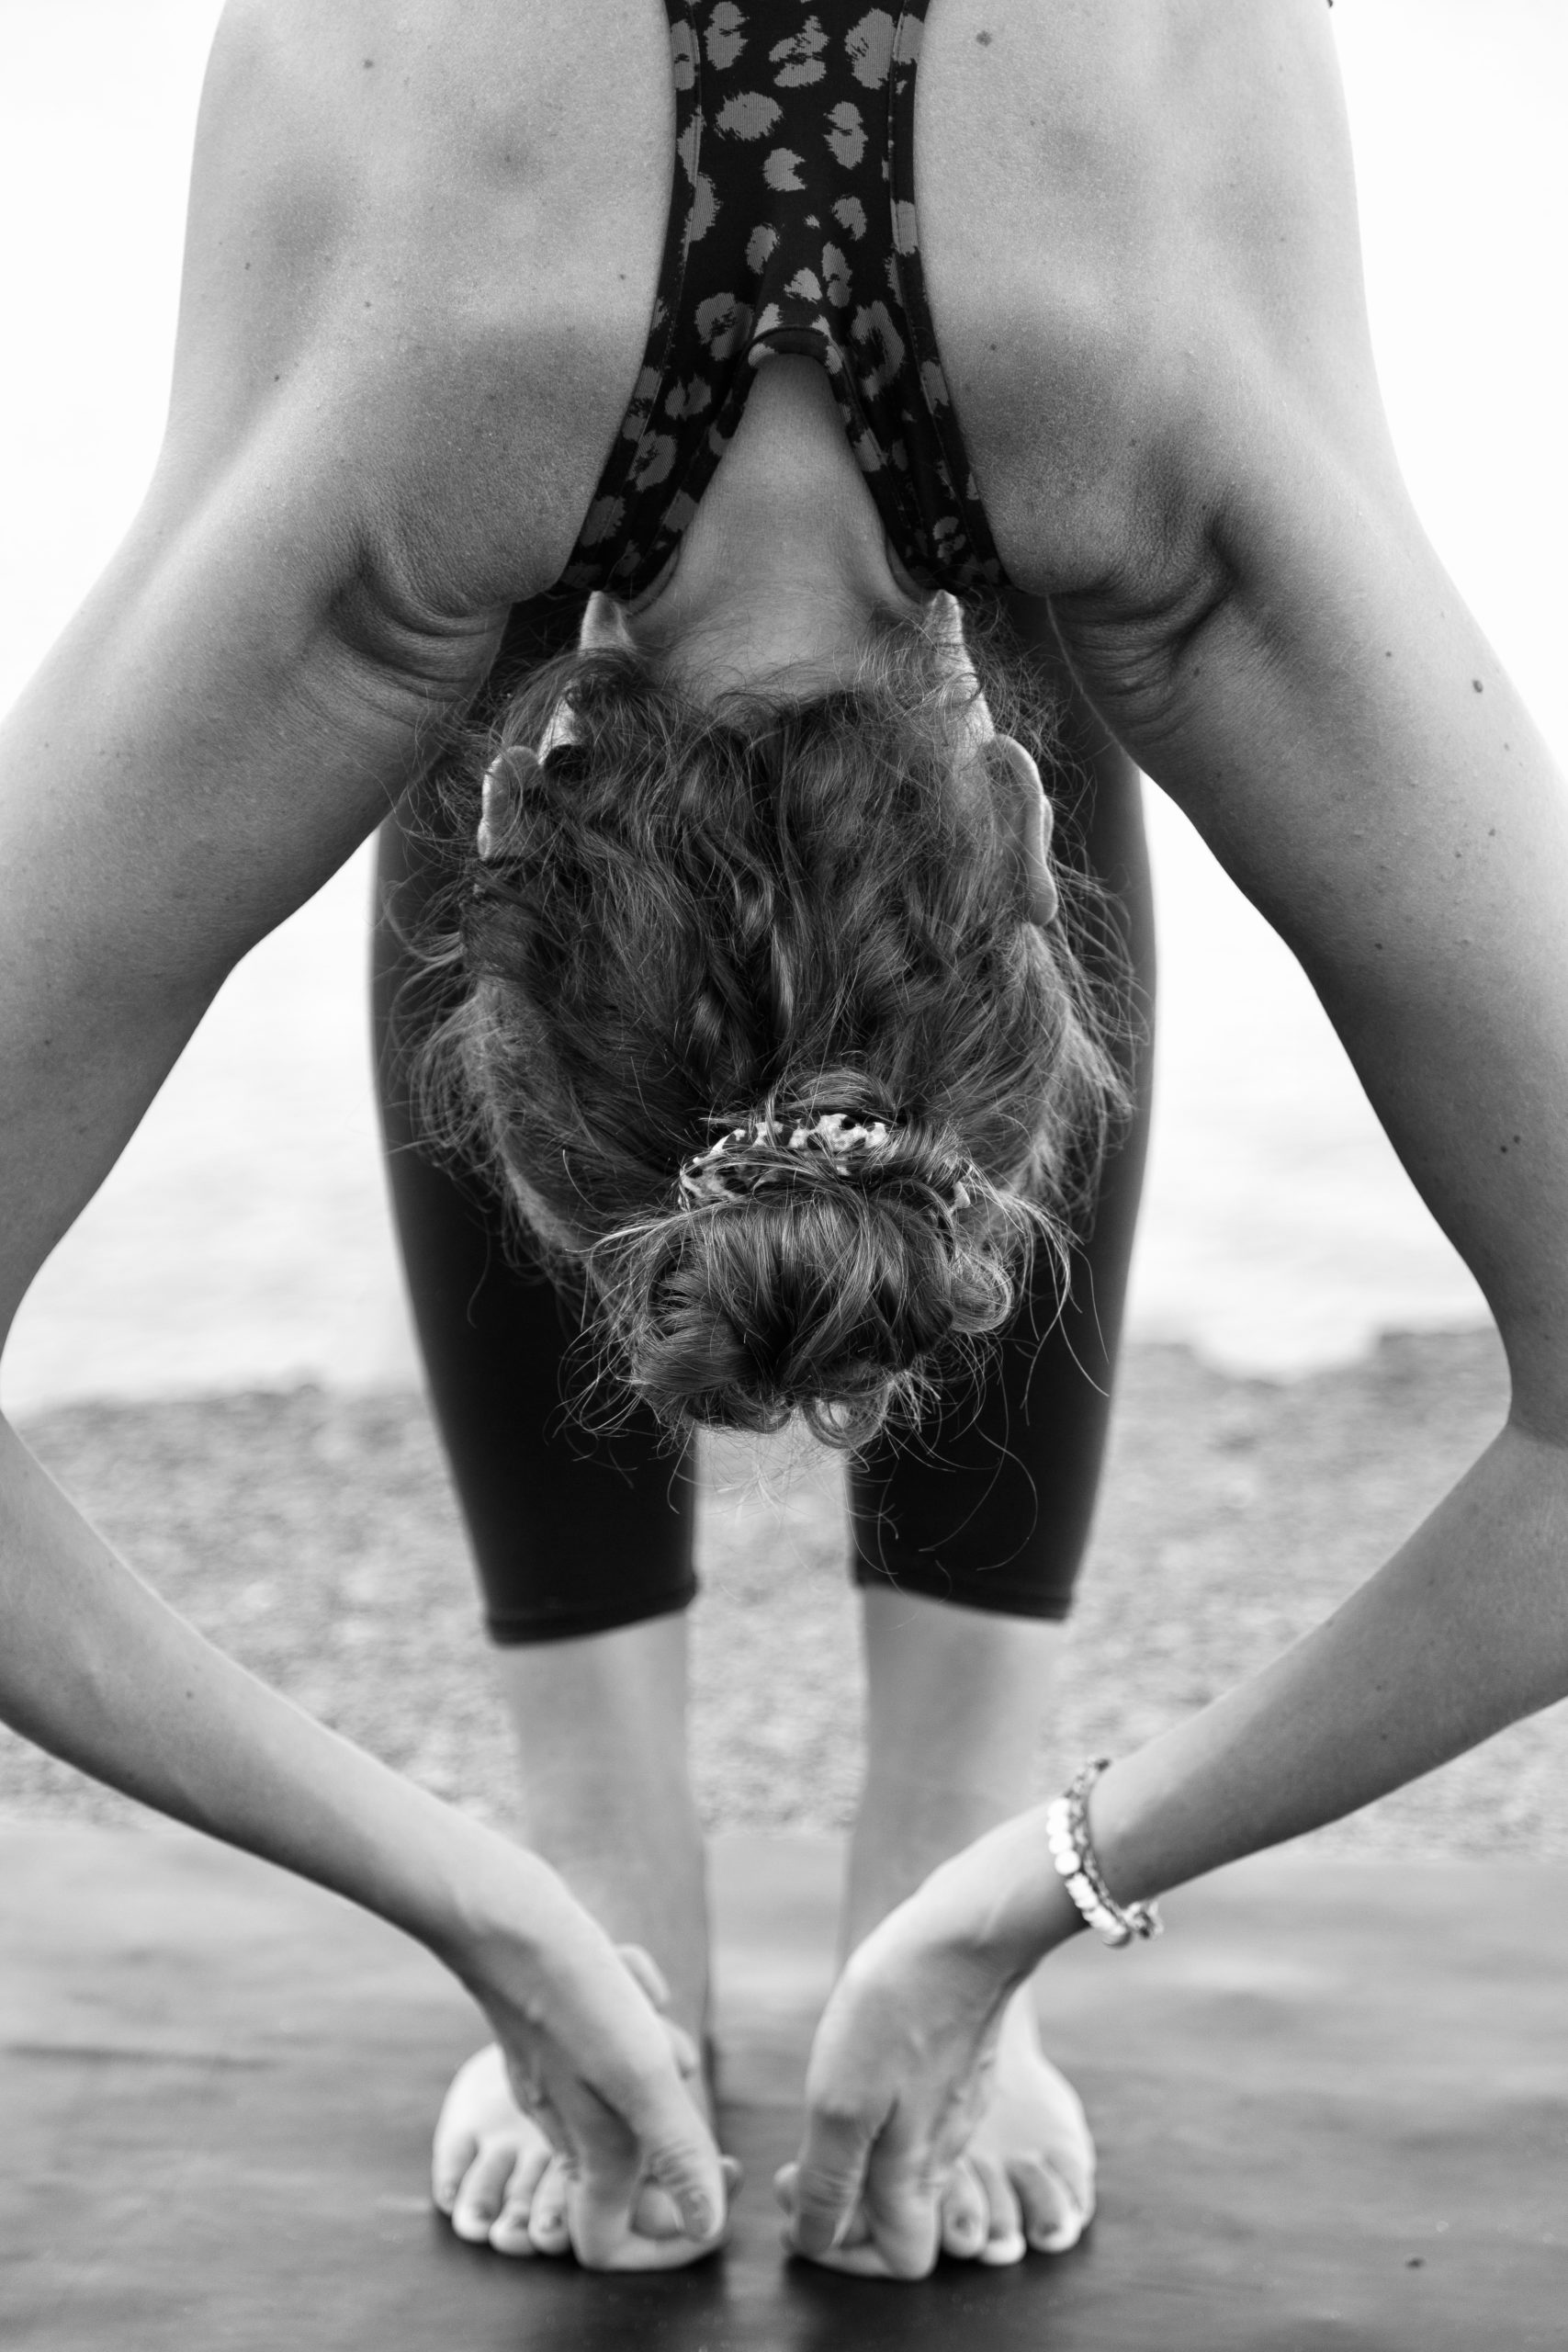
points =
(792, 228)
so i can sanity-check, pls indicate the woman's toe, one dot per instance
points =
(478, 2108)
(1004, 2242)
(965, 2215)
(482, 2190)
(508, 2231)
(450, 2164)
(547, 2229)
(1053, 2218)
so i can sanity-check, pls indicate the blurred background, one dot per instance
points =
(243, 1241)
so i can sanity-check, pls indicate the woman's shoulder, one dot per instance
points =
(388, 274)
(1140, 241)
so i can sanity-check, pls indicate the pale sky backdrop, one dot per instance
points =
(244, 1240)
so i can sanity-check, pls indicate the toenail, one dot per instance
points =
(1058, 2240)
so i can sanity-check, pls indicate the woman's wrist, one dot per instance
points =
(1006, 1898)
(468, 1893)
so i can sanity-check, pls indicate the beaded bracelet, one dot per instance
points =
(1072, 1850)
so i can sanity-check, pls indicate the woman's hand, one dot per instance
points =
(98, 1669)
(900, 2068)
(605, 2077)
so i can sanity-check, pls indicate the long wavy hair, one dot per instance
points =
(742, 913)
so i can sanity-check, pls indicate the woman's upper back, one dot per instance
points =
(424, 250)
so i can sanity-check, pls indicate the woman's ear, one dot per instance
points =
(605, 627)
(945, 618)
(1034, 822)
(505, 777)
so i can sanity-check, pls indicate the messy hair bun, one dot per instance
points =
(695, 920)
(804, 1285)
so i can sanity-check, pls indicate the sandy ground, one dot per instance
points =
(314, 1536)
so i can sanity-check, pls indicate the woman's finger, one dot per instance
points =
(658, 2216)
(674, 2149)
(903, 2204)
(829, 2177)
(658, 2152)
(684, 2050)
(654, 2238)
(650, 1977)
(655, 2214)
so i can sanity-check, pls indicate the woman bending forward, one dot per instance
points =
(698, 467)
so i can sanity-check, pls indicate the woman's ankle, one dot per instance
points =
(600, 1726)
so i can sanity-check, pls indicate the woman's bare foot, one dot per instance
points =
(1026, 2178)
(489, 2159)
(497, 2178)
(495, 2174)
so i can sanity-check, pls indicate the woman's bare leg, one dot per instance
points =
(956, 1699)
(601, 1730)
(600, 1724)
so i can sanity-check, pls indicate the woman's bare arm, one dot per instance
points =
(205, 744)
(1305, 681)
(1342, 733)
(1335, 722)
(271, 658)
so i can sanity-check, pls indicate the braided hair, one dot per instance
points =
(758, 1031)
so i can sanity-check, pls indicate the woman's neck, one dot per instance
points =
(786, 565)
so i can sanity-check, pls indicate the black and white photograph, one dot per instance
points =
(783, 1143)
